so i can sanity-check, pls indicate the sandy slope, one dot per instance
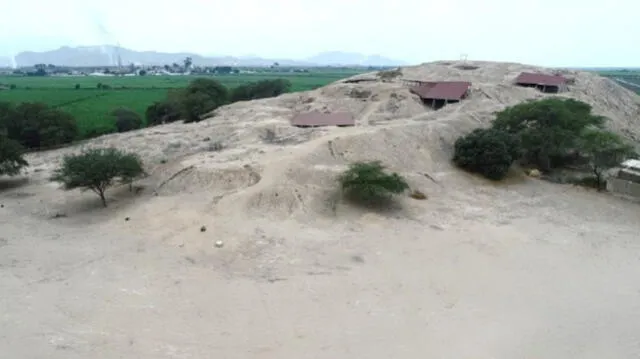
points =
(526, 269)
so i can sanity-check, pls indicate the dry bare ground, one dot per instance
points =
(522, 269)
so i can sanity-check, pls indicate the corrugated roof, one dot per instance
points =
(442, 90)
(316, 118)
(423, 89)
(530, 78)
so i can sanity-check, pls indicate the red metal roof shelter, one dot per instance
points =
(543, 82)
(438, 94)
(317, 118)
(442, 90)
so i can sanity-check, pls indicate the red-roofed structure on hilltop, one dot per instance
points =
(317, 118)
(543, 82)
(436, 94)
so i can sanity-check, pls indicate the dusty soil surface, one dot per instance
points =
(521, 269)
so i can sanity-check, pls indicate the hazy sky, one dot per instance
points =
(541, 32)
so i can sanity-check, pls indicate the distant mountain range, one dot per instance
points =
(108, 55)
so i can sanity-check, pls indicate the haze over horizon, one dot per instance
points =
(548, 33)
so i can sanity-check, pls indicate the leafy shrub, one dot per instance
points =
(202, 96)
(11, 161)
(260, 89)
(547, 128)
(98, 169)
(36, 125)
(162, 112)
(368, 183)
(126, 120)
(488, 152)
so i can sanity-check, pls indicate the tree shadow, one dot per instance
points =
(87, 207)
(9, 183)
(384, 205)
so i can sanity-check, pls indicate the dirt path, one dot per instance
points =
(368, 111)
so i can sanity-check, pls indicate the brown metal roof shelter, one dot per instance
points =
(438, 94)
(317, 118)
(543, 82)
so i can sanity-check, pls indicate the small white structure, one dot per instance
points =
(631, 164)
(626, 180)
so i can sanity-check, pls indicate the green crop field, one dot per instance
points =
(91, 106)
(629, 78)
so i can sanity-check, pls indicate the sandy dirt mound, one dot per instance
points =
(520, 269)
(249, 140)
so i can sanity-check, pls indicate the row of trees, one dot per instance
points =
(37, 125)
(547, 134)
(204, 95)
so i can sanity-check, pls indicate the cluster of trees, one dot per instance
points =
(36, 125)
(204, 95)
(33, 126)
(11, 160)
(260, 89)
(547, 134)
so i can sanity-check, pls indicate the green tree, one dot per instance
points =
(162, 112)
(126, 120)
(11, 160)
(489, 152)
(36, 125)
(368, 183)
(547, 128)
(604, 150)
(98, 169)
(260, 89)
(202, 96)
(7, 113)
(188, 61)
